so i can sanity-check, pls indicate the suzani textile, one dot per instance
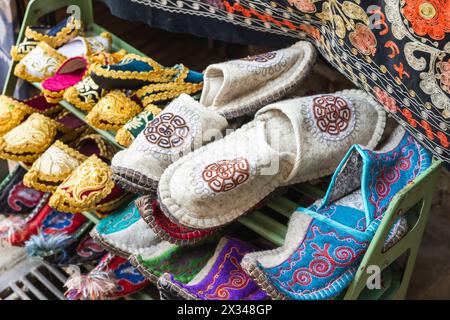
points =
(396, 50)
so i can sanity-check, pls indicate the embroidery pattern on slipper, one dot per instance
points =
(172, 131)
(226, 175)
(334, 116)
(85, 94)
(265, 63)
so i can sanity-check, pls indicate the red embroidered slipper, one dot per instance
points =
(164, 228)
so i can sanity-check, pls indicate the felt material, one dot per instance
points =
(182, 126)
(125, 233)
(114, 277)
(288, 142)
(325, 243)
(222, 278)
(239, 87)
(164, 228)
(182, 262)
(15, 197)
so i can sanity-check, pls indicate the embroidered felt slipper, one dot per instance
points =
(55, 36)
(185, 81)
(13, 112)
(182, 126)
(43, 61)
(124, 233)
(114, 277)
(15, 197)
(72, 71)
(113, 111)
(16, 229)
(167, 230)
(126, 135)
(238, 87)
(132, 72)
(89, 187)
(222, 278)
(31, 138)
(325, 243)
(184, 263)
(288, 142)
(59, 160)
(85, 251)
(58, 232)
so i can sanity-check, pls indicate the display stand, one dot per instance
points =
(414, 201)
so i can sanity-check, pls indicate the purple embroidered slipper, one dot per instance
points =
(222, 278)
(326, 242)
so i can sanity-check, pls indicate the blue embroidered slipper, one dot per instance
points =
(325, 243)
(125, 233)
(132, 72)
(55, 36)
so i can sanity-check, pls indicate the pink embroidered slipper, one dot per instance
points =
(288, 142)
(167, 230)
(71, 72)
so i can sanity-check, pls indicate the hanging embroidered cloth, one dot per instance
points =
(397, 50)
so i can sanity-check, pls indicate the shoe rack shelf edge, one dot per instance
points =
(415, 199)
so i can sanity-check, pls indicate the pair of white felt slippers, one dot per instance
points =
(203, 184)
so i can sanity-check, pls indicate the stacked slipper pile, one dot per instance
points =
(202, 151)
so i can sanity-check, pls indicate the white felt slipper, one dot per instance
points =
(238, 87)
(288, 142)
(43, 61)
(183, 126)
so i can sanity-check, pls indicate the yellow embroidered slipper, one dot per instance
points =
(13, 112)
(58, 161)
(184, 81)
(43, 61)
(132, 72)
(55, 36)
(113, 111)
(27, 141)
(89, 187)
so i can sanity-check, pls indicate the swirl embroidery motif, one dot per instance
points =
(332, 114)
(225, 175)
(167, 131)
